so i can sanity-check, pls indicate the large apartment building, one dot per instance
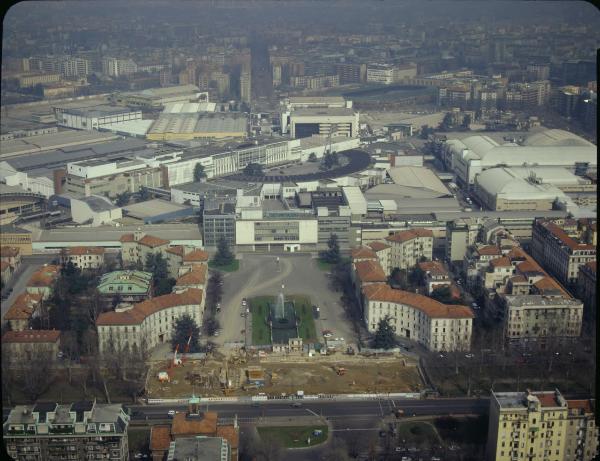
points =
(437, 326)
(541, 319)
(536, 426)
(148, 323)
(560, 253)
(408, 247)
(75, 431)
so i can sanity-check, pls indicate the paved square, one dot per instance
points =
(262, 275)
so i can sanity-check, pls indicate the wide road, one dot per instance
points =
(29, 264)
(338, 412)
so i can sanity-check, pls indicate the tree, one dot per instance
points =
(36, 375)
(416, 276)
(157, 265)
(199, 173)
(446, 123)
(332, 255)
(399, 279)
(184, 327)
(144, 194)
(385, 336)
(444, 295)
(214, 291)
(466, 123)
(211, 325)
(122, 199)
(224, 256)
(330, 160)
(312, 157)
(425, 132)
(254, 169)
(164, 286)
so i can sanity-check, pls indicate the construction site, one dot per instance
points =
(271, 375)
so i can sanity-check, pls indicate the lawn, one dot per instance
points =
(259, 309)
(294, 436)
(418, 433)
(231, 267)
(463, 430)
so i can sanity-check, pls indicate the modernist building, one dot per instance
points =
(196, 125)
(323, 122)
(470, 156)
(148, 323)
(559, 252)
(80, 430)
(94, 117)
(460, 234)
(218, 222)
(436, 326)
(156, 98)
(84, 257)
(540, 426)
(16, 202)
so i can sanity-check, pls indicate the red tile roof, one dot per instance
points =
(488, 250)
(229, 433)
(136, 315)
(195, 256)
(176, 250)
(31, 336)
(182, 425)
(585, 405)
(547, 399)
(152, 241)
(369, 271)
(559, 233)
(9, 252)
(431, 307)
(196, 276)
(126, 238)
(500, 262)
(404, 236)
(80, 251)
(44, 276)
(4, 265)
(160, 438)
(363, 253)
(22, 308)
(433, 267)
(378, 246)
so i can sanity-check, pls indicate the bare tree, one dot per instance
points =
(269, 448)
(7, 376)
(36, 374)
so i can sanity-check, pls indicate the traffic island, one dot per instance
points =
(231, 267)
(295, 436)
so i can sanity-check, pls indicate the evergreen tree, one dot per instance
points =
(385, 336)
(312, 157)
(184, 327)
(466, 122)
(332, 255)
(199, 172)
(254, 169)
(122, 199)
(224, 255)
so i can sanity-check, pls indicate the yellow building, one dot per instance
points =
(545, 426)
(12, 236)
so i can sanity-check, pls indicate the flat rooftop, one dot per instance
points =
(99, 111)
(201, 123)
(151, 208)
(325, 111)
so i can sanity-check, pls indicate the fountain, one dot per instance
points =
(282, 319)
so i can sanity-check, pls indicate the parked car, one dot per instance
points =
(469, 356)
(327, 334)
(171, 413)
(244, 302)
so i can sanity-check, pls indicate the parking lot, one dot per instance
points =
(264, 275)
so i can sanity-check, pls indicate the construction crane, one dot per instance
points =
(187, 347)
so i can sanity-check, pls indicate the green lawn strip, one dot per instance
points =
(260, 330)
(294, 436)
(231, 267)
(417, 433)
(139, 440)
(304, 310)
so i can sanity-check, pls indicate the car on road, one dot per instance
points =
(244, 302)
(218, 307)
(398, 412)
(296, 405)
(469, 356)
(327, 334)
(171, 413)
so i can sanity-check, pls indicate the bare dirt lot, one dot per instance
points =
(318, 377)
